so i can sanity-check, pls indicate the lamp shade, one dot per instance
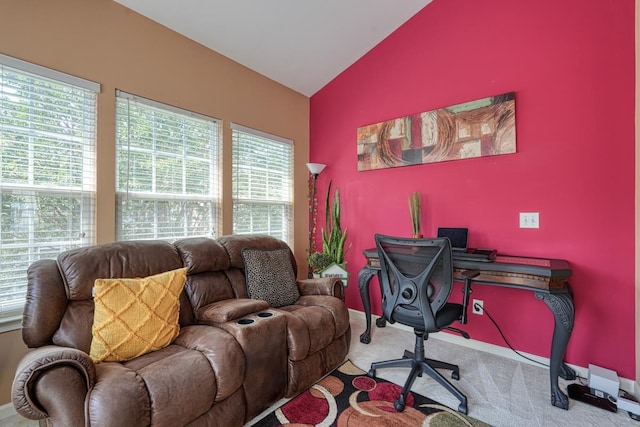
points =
(316, 168)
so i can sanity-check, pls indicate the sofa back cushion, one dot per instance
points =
(202, 254)
(79, 269)
(206, 261)
(234, 244)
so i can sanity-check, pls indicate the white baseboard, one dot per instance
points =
(626, 384)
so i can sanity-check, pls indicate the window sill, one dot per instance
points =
(11, 323)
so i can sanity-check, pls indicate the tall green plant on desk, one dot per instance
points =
(333, 237)
(414, 211)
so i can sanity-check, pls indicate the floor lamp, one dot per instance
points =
(314, 170)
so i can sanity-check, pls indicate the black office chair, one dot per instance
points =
(417, 279)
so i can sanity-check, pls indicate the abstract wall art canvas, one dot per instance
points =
(485, 127)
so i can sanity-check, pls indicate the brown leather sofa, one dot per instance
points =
(233, 358)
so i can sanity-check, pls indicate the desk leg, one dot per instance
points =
(561, 305)
(364, 278)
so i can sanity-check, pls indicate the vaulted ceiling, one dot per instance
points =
(302, 44)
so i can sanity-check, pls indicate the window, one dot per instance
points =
(262, 183)
(47, 171)
(167, 171)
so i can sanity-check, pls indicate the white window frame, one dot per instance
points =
(282, 201)
(155, 197)
(84, 192)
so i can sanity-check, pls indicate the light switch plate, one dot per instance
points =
(529, 220)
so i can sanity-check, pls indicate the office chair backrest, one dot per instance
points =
(417, 278)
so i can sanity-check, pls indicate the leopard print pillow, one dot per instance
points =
(270, 276)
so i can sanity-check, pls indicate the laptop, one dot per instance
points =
(457, 236)
(459, 242)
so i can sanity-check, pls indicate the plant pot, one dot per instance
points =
(336, 270)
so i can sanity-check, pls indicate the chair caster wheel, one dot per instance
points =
(455, 375)
(371, 373)
(399, 404)
(462, 408)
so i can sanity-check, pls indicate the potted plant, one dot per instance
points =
(334, 239)
(414, 212)
(319, 261)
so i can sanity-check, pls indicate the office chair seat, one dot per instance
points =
(416, 276)
(448, 314)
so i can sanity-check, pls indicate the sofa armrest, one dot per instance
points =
(322, 286)
(52, 382)
(229, 309)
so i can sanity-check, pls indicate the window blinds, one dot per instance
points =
(168, 171)
(262, 183)
(47, 171)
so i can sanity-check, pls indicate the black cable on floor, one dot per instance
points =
(507, 342)
(582, 380)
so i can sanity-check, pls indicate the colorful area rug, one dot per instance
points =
(349, 398)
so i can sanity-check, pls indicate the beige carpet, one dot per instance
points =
(501, 391)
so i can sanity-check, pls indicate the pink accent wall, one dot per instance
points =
(571, 66)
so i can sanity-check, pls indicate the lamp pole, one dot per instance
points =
(314, 170)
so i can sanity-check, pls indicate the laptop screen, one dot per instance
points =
(457, 236)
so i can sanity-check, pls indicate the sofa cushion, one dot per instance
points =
(235, 243)
(316, 323)
(135, 316)
(80, 267)
(201, 254)
(270, 276)
(231, 309)
(206, 288)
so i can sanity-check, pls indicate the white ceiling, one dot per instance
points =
(302, 44)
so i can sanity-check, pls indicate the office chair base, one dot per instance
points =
(418, 367)
(400, 404)
(436, 364)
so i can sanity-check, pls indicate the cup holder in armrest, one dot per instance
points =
(248, 320)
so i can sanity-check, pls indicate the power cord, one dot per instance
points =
(581, 380)
(478, 307)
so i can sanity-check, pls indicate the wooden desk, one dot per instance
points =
(546, 278)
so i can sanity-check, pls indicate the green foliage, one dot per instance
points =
(319, 260)
(334, 239)
(414, 211)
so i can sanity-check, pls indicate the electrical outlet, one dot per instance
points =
(529, 220)
(478, 306)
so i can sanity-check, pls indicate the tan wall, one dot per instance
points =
(12, 351)
(102, 41)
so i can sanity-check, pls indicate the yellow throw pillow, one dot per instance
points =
(135, 316)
